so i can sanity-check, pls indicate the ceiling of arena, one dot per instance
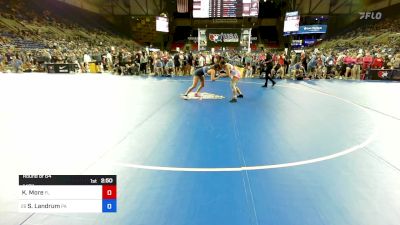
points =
(155, 7)
(326, 7)
(125, 7)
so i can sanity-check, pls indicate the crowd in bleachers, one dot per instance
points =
(375, 45)
(383, 33)
(31, 38)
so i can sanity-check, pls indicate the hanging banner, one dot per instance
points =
(245, 40)
(223, 37)
(309, 29)
(202, 40)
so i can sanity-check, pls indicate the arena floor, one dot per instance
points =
(303, 152)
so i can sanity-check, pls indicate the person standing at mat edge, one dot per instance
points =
(268, 65)
(199, 75)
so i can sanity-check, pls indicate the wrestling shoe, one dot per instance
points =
(184, 96)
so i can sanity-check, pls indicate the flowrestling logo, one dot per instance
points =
(370, 15)
(383, 74)
(223, 37)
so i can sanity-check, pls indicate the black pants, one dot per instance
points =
(267, 77)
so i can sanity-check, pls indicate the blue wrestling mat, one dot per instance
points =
(302, 152)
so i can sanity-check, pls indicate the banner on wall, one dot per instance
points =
(308, 42)
(61, 67)
(312, 29)
(223, 37)
(309, 29)
(297, 43)
(383, 74)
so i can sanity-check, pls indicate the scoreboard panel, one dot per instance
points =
(225, 8)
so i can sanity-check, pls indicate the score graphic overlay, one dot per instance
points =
(67, 193)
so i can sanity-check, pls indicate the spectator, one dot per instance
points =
(1, 61)
(143, 62)
(96, 57)
(311, 66)
(395, 63)
(378, 62)
(202, 61)
(86, 61)
(177, 64)
(158, 68)
(169, 67)
(367, 61)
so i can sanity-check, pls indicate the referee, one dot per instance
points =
(267, 66)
